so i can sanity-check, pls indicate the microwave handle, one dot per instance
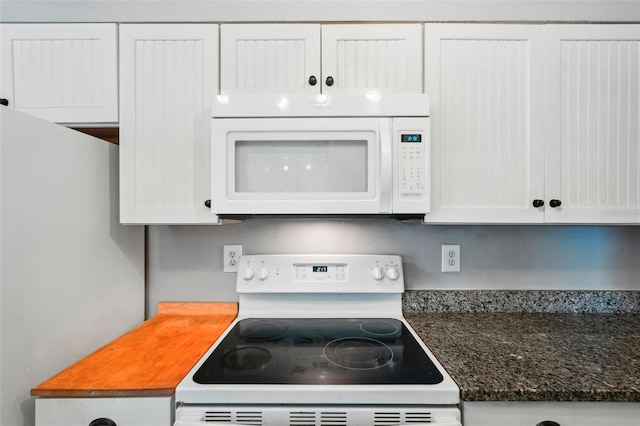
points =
(386, 165)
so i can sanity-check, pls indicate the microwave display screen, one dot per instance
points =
(411, 138)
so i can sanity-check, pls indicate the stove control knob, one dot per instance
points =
(393, 274)
(247, 274)
(377, 274)
(263, 274)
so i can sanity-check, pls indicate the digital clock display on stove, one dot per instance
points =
(320, 272)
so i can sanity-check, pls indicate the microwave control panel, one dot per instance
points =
(411, 165)
(411, 176)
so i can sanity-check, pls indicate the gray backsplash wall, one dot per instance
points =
(185, 262)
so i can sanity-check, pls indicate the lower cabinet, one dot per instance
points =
(551, 413)
(118, 411)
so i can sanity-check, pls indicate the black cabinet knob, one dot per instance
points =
(329, 81)
(4, 101)
(548, 423)
(555, 203)
(313, 80)
(207, 203)
(103, 422)
(538, 203)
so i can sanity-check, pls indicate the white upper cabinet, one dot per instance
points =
(265, 58)
(534, 123)
(65, 73)
(169, 73)
(314, 58)
(486, 87)
(593, 123)
(381, 58)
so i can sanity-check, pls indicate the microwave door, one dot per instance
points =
(300, 166)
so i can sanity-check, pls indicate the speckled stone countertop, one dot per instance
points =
(525, 356)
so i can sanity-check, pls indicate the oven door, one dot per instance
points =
(301, 165)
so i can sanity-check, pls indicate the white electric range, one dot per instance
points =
(319, 340)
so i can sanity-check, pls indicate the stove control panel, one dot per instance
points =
(320, 274)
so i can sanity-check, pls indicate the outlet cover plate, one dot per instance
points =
(450, 258)
(232, 253)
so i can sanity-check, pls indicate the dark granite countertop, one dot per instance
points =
(536, 356)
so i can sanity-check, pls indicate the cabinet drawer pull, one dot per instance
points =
(329, 81)
(313, 80)
(555, 203)
(4, 101)
(538, 203)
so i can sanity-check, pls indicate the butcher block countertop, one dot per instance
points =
(149, 360)
(536, 356)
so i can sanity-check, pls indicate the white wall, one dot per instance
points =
(185, 262)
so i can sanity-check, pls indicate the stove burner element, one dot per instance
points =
(247, 358)
(264, 330)
(379, 328)
(358, 353)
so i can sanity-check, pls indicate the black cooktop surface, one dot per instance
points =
(318, 351)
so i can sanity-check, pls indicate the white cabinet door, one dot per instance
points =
(134, 411)
(564, 413)
(372, 58)
(486, 87)
(168, 74)
(593, 123)
(65, 73)
(270, 59)
(299, 59)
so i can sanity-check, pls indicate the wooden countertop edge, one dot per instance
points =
(225, 312)
(102, 393)
(197, 308)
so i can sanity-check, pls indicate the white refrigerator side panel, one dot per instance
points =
(72, 277)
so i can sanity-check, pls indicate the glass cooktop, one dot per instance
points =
(318, 351)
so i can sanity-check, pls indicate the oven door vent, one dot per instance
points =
(329, 418)
(235, 417)
(314, 418)
(258, 416)
(388, 418)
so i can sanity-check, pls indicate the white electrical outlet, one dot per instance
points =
(450, 258)
(230, 257)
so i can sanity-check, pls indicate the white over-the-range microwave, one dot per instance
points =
(320, 155)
